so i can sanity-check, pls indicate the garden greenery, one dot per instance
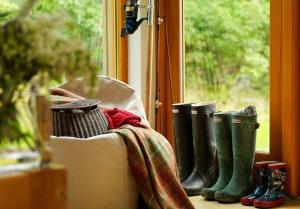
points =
(227, 47)
(33, 50)
(227, 56)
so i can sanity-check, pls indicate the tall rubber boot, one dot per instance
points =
(262, 173)
(244, 127)
(274, 196)
(204, 173)
(222, 121)
(182, 127)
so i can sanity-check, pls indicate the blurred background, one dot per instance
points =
(83, 19)
(227, 54)
(227, 48)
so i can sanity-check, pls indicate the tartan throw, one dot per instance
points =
(153, 164)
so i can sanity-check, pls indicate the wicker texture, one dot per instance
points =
(80, 124)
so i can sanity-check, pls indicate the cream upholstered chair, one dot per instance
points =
(98, 172)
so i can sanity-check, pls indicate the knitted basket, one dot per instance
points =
(80, 119)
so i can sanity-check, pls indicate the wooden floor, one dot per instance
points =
(200, 203)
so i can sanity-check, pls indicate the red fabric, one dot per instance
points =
(118, 117)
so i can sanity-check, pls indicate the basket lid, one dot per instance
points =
(80, 104)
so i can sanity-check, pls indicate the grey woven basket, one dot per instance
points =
(80, 119)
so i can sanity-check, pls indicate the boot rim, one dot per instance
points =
(277, 165)
(239, 115)
(224, 113)
(180, 104)
(264, 164)
(204, 104)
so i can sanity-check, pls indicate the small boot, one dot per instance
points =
(262, 173)
(182, 126)
(222, 121)
(204, 173)
(274, 196)
(244, 127)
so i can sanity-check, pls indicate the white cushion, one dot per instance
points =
(98, 172)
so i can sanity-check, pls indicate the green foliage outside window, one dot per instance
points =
(227, 55)
(35, 49)
(83, 20)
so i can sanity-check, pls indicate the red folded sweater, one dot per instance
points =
(118, 117)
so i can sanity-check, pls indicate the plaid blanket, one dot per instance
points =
(153, 165)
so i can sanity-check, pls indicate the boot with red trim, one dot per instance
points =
(274, 196)
(261, 182)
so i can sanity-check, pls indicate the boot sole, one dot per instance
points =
(247, 202)
(192, 192)
(226, 198)
(264, 204)
(208, 195)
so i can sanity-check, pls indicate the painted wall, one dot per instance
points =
(137, 61)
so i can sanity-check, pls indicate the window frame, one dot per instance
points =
(176, 76)
(169, 74)
(115, 48)
(284, 80)
(275, 84)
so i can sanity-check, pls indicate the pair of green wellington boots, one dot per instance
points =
(235, 139)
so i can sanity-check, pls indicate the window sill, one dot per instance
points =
(200, 203)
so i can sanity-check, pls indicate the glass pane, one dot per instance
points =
(83, 20)
(227, 55)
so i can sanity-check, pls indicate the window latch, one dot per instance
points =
(158, 104)
(160, 20)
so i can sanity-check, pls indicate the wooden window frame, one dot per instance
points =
(116, 48)
(284, 80)
(169, 72)
(122, 45)
(275, 84)
(176, 41)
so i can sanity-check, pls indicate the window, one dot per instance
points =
(284, 80)
(227, 54)
(83, 20)
(92, 21)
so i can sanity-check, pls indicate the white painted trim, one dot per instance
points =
(137, 62)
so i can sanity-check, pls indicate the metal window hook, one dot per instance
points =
(131, 22)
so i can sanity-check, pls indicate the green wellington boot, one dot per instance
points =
(182, 129)
(244, 127)
(205, 171)
(222, 121)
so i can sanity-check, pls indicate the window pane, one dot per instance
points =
(227, 56)
(83, 20)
